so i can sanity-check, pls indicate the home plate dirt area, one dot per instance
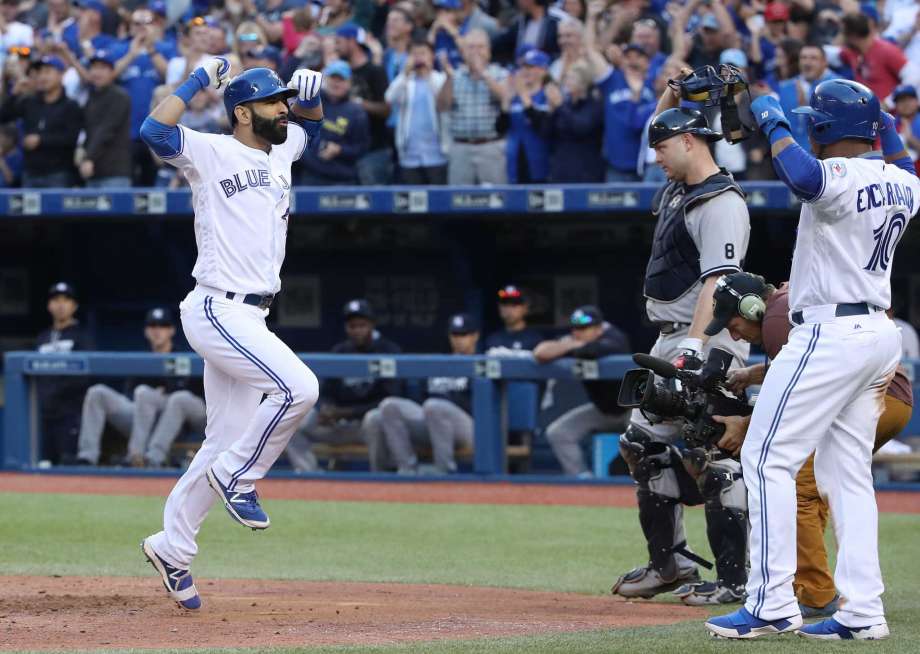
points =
(69, 613)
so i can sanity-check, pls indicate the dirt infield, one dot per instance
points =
(368, 491)
(68, 613)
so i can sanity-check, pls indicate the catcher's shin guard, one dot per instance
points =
(726, 520)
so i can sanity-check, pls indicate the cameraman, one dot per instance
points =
(702, 232)
(768, 326)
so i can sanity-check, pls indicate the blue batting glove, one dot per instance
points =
(768, 114)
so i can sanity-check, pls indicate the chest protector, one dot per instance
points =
(674, 266)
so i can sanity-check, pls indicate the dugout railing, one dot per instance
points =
(490, 379)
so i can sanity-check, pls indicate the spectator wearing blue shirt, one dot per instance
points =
(10, 157)
(88, 37)
(907, 118)
(527, 149)
(422, 138)
(455, 18)
(572, 129)
(398, 35)
(625, 93)
(140, 70)
(796, 91)
(647, 35)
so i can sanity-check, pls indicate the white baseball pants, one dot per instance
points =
(824, 393)
(243, 438)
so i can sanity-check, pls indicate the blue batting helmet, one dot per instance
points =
(842, 109)
(254, 84)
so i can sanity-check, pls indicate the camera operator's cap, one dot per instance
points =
(729, 290)
(534, 57)
(710, 22)
(159, 317)
(358, 308)
(586, 316)
(54, 62)
(904, 91)
(448, 4)
(462, 323)
(735, 57)
(680, 120)
(775, 12)
(62, 288)
(511, 294)
(338, 68)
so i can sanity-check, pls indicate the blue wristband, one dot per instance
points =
(778, 133)
(188, 89)
(315, 101)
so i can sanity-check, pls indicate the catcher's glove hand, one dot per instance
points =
(307, 83)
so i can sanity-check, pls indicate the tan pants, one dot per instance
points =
(813, 583)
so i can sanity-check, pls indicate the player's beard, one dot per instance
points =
(269, 129)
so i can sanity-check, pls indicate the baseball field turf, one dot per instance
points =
(56, 538)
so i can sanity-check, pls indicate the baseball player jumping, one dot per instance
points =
(825, 390)
(241, 187)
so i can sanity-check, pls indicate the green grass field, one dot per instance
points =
(570, 549)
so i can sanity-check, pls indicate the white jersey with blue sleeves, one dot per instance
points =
(241, 199)
(848, 233)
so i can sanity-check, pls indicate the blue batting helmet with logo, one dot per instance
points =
(254, 84)
(842, 109)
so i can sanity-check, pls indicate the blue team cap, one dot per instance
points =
(586, 316)
(635, 47)
(159, 317)
(462, 323)
(904, 91)
(735, 57)
(94, 5)
(158, 7)
(54, 62)
(338, 68)
(105, 56)
(358, 308)
(448, 4)
(709, 22)
(62, 288)
(266, 52)
(534, 57)
(869, 9)
(352, 31)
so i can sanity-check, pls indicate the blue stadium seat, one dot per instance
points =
(523, 406)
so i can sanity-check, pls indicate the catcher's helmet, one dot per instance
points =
(842, 109)
(254, 84)
(679, 121)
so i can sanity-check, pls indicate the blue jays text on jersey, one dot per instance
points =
(254, 178)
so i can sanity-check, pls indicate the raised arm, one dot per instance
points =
(159, 129)
(797, 168)
(893, 147)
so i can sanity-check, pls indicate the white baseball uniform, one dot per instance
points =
(241, 198)
(825, 390)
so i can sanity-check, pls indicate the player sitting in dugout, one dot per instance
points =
(444, 420)
(754, 311)
(591, 337)
(347, 411)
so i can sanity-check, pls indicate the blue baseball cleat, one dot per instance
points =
(242, 507)
(830, 629)
(178, 582)
(741, 624)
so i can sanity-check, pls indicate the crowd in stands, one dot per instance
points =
(429, 91)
